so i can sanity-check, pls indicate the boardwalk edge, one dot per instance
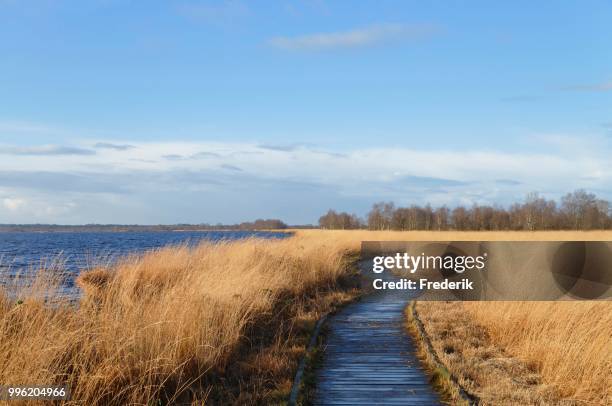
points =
(295, 389)
(443, 380)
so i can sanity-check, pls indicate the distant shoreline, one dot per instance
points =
(23, 228)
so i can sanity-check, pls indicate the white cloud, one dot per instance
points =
(35, 206)
(45, 150)
(116, 147)
(314, 164)
(119, 185)
(360, 37)
(13, 204)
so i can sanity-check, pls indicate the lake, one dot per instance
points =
(23, 251)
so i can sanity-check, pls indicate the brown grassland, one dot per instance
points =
(221, 323)
(524, 352)
(228, 322)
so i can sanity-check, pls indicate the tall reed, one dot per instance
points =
(169, 325)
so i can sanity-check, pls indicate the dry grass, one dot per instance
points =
(223, 323)
(568, 343)
(525, 352)
(440, 377)
(227, 323)
(480, 364)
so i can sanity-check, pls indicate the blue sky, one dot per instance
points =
(223, 111)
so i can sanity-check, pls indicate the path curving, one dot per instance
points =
(368, 357)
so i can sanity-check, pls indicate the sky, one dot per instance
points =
(165, 112)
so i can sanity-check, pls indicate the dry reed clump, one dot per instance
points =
(224, 323)
(480, 365)
(525, 352)
(568, 343)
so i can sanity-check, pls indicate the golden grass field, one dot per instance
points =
(222, 323)
(524, 352)
(227, 323)
(568, 343)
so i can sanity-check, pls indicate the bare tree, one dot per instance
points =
(381, 216)
(339, 221)
(460, 218)
(441, 218)
(584, 211)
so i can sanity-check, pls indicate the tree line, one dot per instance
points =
(579, 210)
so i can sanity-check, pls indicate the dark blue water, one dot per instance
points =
(73, 252)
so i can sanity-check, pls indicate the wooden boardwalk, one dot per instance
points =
(369, 359)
